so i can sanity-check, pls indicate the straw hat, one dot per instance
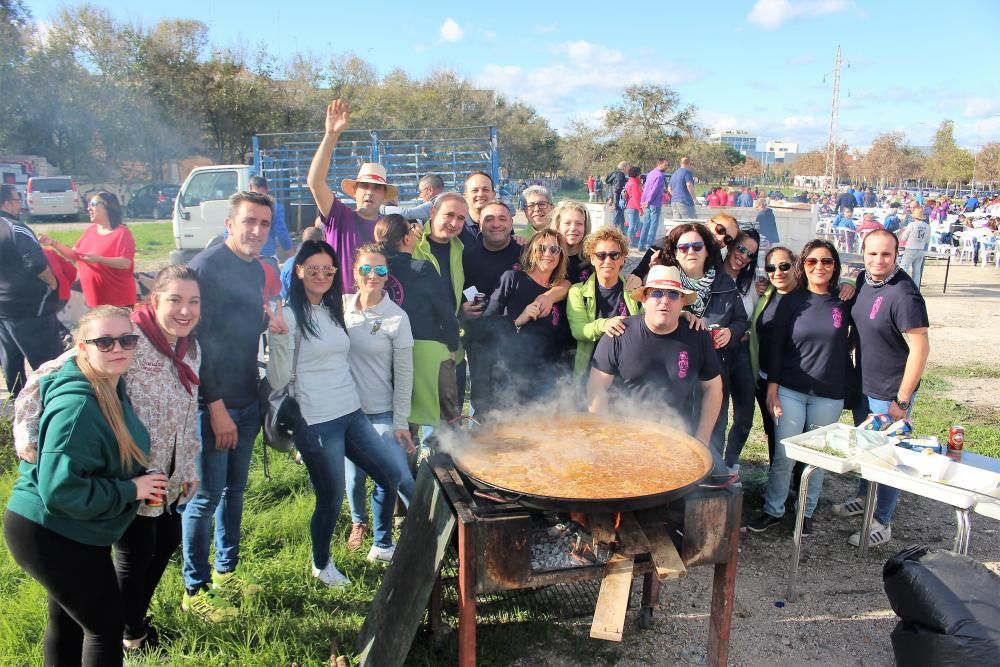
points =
(665, 278)
(370, 172)
(919, 213)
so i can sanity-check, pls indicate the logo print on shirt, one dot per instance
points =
(555, 316)
(838, 318)
(682, 364)
(394, 289)
(875, 308)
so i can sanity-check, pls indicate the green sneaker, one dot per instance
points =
(209, 606)
(237, 582)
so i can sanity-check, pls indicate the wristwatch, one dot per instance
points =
(903, 405)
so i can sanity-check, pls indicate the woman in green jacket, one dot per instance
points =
(600, 304)
(83, 491)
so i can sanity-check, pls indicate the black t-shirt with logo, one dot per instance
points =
(610, 302)
(881, 315)
(660, 369)
(809, 344)
(483, 267)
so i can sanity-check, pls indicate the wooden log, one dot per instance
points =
(666, 561)
(631, 536)
(612, 601)
(602, 528)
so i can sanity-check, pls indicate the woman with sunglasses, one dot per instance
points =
(417, 288)
(572, 220)
(381, 359)
(808, 371)
(104, 255)
(530, 352)
(334, 425)
(600, 304)
(162, 386)
(740, 265)
(82, 492)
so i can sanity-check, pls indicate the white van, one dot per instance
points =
(53, 196)
(202, 206)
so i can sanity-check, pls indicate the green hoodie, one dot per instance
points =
(587, 328)
(78, 488)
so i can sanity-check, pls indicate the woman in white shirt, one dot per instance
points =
(381, 359)
(327, 397)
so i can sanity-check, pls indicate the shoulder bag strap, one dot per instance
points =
(295, 362)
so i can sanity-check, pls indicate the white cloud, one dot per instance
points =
(976, 107)
(581, 75)
(772, 14)
(546, 29)
(451, 31)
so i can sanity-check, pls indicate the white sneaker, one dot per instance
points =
(850, 507)
(383, 554)
(331, 576)
(878, 535)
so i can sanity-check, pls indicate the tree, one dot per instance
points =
(751, 168)
(14, 21)
(890, 160)
(649, 123)
(988, 164)
(712, 162)
(811, 163)
(947, 162)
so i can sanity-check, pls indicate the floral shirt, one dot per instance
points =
(167, 410)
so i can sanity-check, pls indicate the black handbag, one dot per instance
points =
(281, 416)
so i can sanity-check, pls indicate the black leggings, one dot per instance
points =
(141, 556)
(86, 614)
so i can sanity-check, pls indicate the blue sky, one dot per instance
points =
(758, 66)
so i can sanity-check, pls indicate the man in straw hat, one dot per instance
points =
(347, 230)
(658, 360)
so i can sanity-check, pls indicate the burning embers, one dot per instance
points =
(566, 543)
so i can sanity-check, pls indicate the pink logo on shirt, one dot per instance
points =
(555, 317)
(394, 289)
(875, 308)
(682, 364)
(838, 318)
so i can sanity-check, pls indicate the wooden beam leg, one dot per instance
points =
(723, 587)
(466, 595)
(434, 608)
(650, 591)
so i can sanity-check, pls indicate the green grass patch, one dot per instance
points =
(295, 619)
(153, 241)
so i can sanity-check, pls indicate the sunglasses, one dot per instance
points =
(549, 249)
(784, 266)
(697, 246)
(613, 256)
(94, 203)
(665, 293)
(743, 249)
(810, 262)
(381, 270)
(107, 343)
(326, 271)
(721, 230)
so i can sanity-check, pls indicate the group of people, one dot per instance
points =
(138, 439)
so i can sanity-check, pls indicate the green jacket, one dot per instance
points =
(581, 310)
(758, 309)
(78, 488)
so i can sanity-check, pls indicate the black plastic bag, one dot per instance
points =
(949, 609)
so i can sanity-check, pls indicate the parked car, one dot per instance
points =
(152, 201)
(53, 196)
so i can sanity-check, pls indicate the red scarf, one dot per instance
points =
(145, 318)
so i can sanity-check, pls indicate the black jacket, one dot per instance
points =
(22, 293)
(416, 287)
(617, 180)
(725, 308)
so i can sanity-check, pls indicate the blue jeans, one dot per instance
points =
(800, 413)
(323, 448)
(650, 226)
(620, 219)
(633, 224)
(382, 503)
(35, 339)
(220, 494)
(887, 497)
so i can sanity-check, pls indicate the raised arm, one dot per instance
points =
(337, 115)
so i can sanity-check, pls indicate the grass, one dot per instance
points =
(295, 619)
(153, 241)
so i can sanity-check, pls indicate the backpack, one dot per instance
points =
(623, 199)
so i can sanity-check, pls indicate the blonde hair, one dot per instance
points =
(528, 259)
(129, 453)
(570, 205)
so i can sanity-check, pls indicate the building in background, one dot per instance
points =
(740, 140)
(781, 148)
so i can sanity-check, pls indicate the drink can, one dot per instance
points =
(480, 298)
(956, 440)
(714, 329)
(875, 423)
(154, 503)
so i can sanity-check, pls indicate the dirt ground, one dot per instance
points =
(843, 616)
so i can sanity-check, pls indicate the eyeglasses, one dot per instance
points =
(94, 203)
(548, 250)
(810, 262)
(664, 293)
(326, 271)
(107, 343)
(539, 204)
(743, 249)
(613, 256)
(381, 270)
(784, 266)
(697, 246)
(722, 231)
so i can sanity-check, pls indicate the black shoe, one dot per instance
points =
(807, 526)
(763, 522)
